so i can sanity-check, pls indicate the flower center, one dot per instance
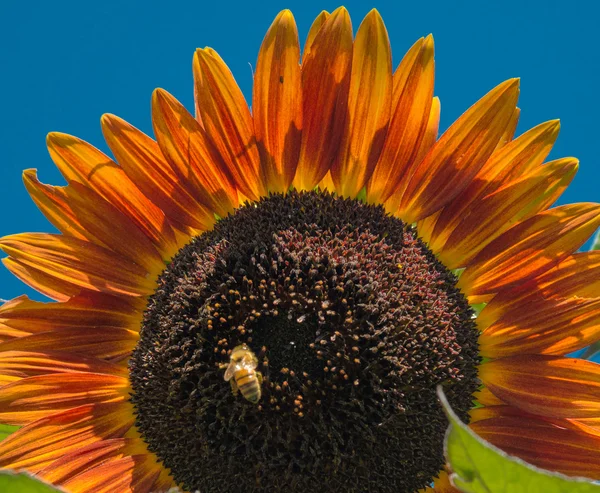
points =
(353, 323)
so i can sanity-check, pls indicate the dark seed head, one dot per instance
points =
(354, 323)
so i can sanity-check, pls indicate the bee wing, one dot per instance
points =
(250, 362)
(230, 371)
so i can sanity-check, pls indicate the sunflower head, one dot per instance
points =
(340, 242)
(354, 321)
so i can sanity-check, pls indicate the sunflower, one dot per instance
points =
(359, 259)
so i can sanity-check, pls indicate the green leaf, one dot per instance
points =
(6, 430)
(479, 467)
(596, 242)
(11, 482)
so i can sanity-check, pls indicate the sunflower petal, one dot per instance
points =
(278, 91)
(487, 412)
(135, 473)
(369, 101)
(194, 158)
(543, 444)
(77, 262)
(79, 212)
(510, 162)
(459, 154)
(550, 326)
(98, 342)
(431, 130)
(545, 385)
(498, 211)
(36, 397)
(484, 397)
(39, 443)
(80, 162)
(25, 316)
(411, 117)
(76, 461)
(313, 31)
(509, 133)
(15, 365)
(228, 122)
(142, 160)
(578, 275)
(325, 83)
(530, 248)
(48, 285)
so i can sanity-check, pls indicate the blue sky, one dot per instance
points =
(64, 63)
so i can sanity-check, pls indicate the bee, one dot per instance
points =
(241, 373)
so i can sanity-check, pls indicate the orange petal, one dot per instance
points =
(484, 397)
(143, 162)
(578, 275)
(25, 316)
(487, 412)
(592, 424)
(314, 30)
(543, 444)
(79, 460)
(136, 473)
(500, 210)
(48, 285)
(41, 442)
(369, 101)
(327, 183)
(411, 116)
(510, 162)
(547, 199)
(164, 483)
(425, 226)
(15, 365)
(392, 204)
(99, 342)
(431, 130)
(545, 385)
(228, 121)
(80, 162)
(194, 158)
(37, 397)
(530, 248)
(509, 133)
(325, 82)
(277, 103)
(77, 262)
(459, 154)
(550, 326)
(79, 212)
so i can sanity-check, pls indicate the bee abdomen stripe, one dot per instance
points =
(246, 380)
(252, 394)
(248, 387)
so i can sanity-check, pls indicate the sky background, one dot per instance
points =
(65, 63)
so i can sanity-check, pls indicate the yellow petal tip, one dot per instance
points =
(29, 173)
(107, 119)
(340, 12)
(57, 138)
(373, 13)
(159, 93)
(285, 14)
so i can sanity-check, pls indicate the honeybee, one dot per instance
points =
(241, 373)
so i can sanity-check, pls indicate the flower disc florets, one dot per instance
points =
(354, 323)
